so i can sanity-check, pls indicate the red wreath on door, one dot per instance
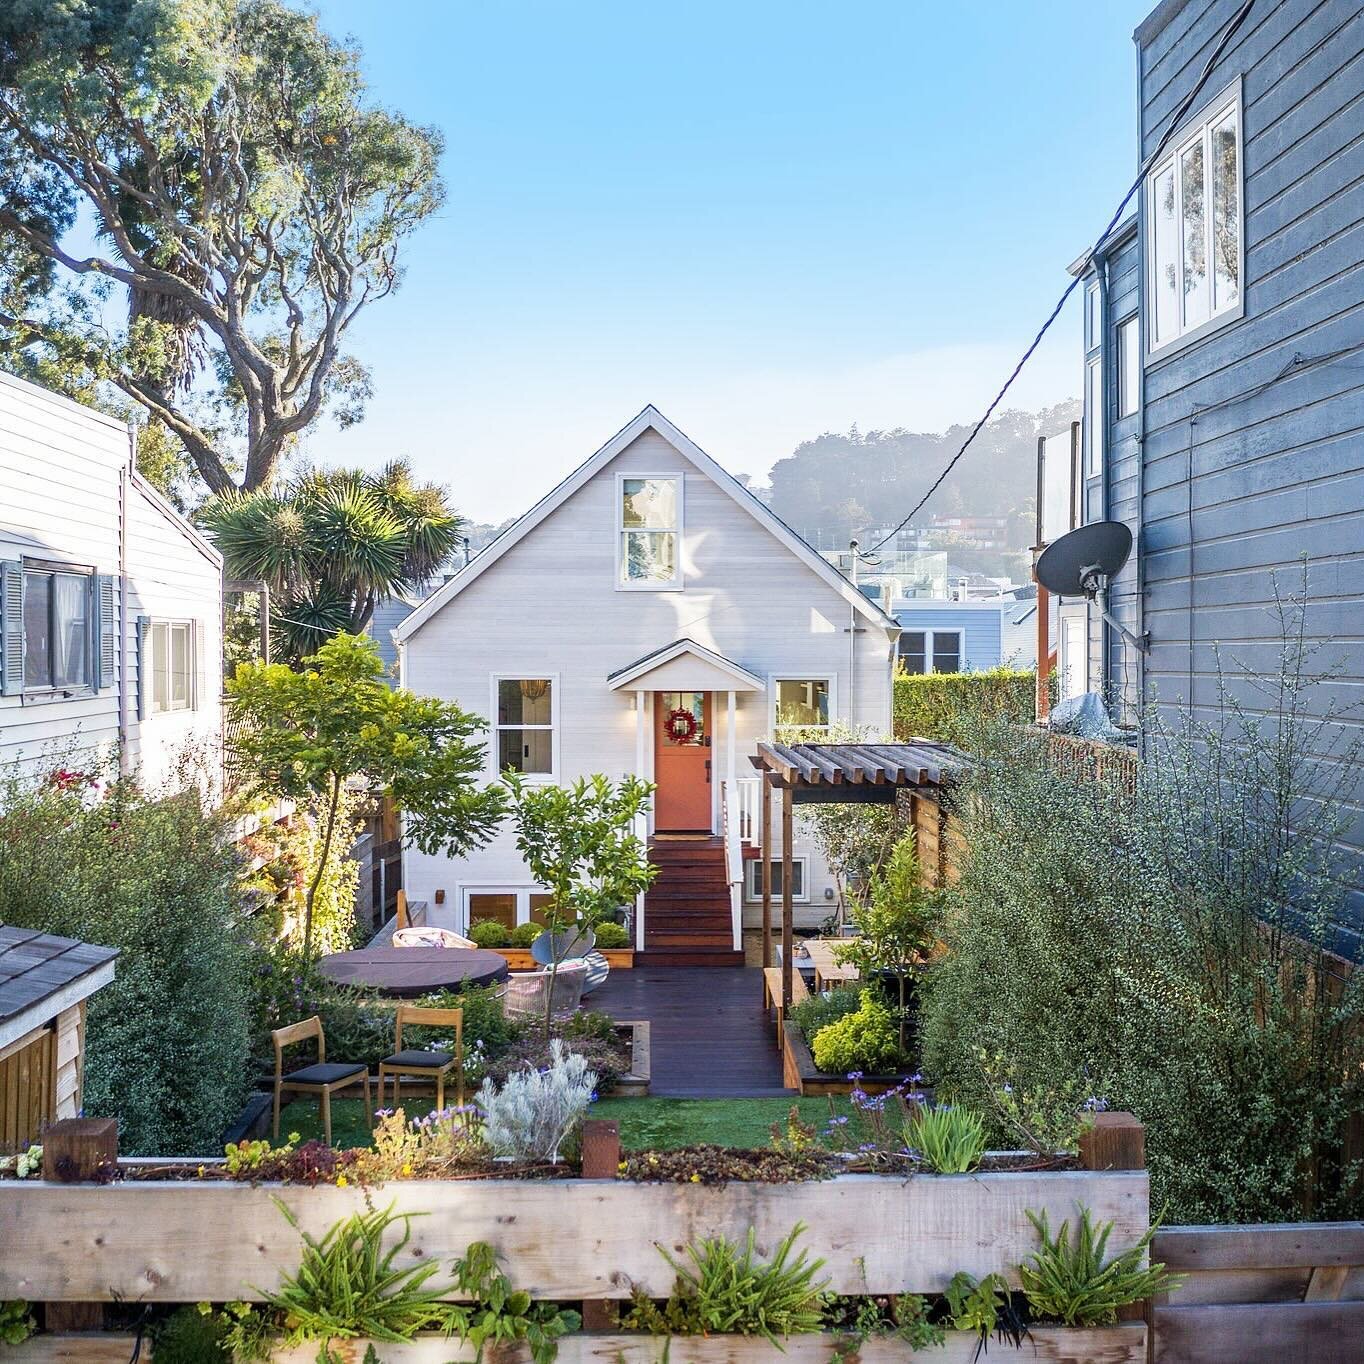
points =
(681, 726)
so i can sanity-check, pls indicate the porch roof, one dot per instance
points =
(684, 665)
(857, 772)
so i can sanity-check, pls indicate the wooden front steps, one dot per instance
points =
(687, 910)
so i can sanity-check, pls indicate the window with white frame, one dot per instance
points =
(801, 702)
(931, 651)
(1195, 236)
(1094, 320)
(1129, 366)
(523, 739)
(1074, 657)
(754, 868)
(56, 629)
(505, 905)
(649, 533)
(1094, 416)
(171, 649)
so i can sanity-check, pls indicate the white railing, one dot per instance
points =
(747, 798)
(731, 823)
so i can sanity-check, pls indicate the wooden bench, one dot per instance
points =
(772, 993)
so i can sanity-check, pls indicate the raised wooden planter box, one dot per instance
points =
(800, 1072)
(211, 1241)
(1112, 1345)
(520, 959)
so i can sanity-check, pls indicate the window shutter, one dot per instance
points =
(106, 639)
(144, 680)
(11, 628)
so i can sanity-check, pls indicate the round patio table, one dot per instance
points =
(408, 971)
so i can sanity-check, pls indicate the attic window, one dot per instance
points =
(649, 533)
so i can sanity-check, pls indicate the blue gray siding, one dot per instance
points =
(981, 629)
(1253, 436)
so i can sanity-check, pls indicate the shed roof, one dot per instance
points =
(40, 975)
(858, 772)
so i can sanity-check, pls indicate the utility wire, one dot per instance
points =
(1175, 120)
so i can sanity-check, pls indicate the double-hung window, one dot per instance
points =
(931, 651)
(525, 708)
(649, 532)
(172, 665)
(801, 702)
(1195, 249)
(754, 888)
(57, 629)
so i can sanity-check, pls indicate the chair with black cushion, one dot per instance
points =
(322, 1077)
(434, 1065)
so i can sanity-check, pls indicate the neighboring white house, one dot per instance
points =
(648, 616)
(110, 602)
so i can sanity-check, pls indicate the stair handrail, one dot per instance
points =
(730, 820)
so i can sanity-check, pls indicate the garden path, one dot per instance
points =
(709, 1034)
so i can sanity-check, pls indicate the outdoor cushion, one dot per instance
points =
(324, 1073)
(416, 1057)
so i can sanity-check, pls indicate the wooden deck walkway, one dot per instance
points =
(709, 1035)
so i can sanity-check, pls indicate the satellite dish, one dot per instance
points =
(1081, 561)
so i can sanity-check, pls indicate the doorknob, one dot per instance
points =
(707, 769)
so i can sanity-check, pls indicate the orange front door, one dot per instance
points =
(682, 761)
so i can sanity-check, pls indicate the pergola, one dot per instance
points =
(848, 774)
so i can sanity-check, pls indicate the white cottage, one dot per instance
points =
(110, 601)
(648, 616)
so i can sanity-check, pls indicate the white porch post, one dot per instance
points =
(731, 745)
(641, 734)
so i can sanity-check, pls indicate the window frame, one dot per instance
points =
(169, 623)
(1095, 417)
(1063, 660)
(830, 682)
(88, 685)
(521, 891)
(494, 728)
(753, 885)
(1128, 402)
(677, 582)
(929, 633)
(1196, 129)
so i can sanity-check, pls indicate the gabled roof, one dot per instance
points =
(40, 975)
(182, 523)
(742, 679)
(649, 418)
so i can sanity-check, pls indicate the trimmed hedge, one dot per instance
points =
(938, 705)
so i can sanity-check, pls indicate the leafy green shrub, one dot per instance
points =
(819, 1010)
(1070, 1282)
(490, 933)
(945, 706)
(867, 1040)
(525, 934)
(726, 1289)
(154, 876)
(499, 1314)
(984, 1308)
(611, 936)
(16, 1322)
(950, 1140)
(191, 1335)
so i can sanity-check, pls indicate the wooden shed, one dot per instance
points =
(44, 983)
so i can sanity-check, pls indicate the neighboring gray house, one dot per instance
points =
(965, 636)
(1224, 360)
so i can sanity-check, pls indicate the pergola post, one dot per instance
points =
(787, 946)
(765, 844)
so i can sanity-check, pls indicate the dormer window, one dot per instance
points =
(648, 543)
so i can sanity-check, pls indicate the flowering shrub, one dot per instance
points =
(436, 1144)
(536, 1111)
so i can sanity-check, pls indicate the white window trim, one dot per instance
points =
(1063, 652)
(675, 584)
(547, 778)
(521, 891)
(752, 894)
(1198, 127)
(1093, 339)
(829, 681)
(1095, 422)
(168, 621)
(1133, 321)
(929, 634)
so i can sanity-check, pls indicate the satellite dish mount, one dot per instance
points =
(1081, 563)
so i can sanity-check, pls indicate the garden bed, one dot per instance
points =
(1125, 1344)
(799, 1071)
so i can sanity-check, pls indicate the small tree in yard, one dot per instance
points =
(579, 843)
(897, 925)
(307, 735)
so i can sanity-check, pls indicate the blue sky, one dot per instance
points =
(769, 219)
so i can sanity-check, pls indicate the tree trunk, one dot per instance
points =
(321, 868)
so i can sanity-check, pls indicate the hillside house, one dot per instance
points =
(110, 601)
(678, 622)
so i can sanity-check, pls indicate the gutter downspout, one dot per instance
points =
(121, 660)
(1105, 377)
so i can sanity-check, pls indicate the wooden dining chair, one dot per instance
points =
(321, 1078)
(432, 1064)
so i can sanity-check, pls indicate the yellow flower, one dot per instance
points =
(201, 1172)
(407, 1168)
(341, 1181)
(294, 1138)
(696, 1179)
(622, 1167)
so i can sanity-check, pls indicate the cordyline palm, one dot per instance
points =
(332, 544)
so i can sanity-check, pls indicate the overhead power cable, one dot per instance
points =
(1175, 120)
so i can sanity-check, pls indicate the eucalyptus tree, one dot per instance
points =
(332, 544)
(248, 200)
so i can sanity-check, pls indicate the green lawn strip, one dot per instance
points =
(652, 1124)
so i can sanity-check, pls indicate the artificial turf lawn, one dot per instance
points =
(651, 1124)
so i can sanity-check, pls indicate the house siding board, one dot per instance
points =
(1254, 463)
(747, 597)
(982, 641)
